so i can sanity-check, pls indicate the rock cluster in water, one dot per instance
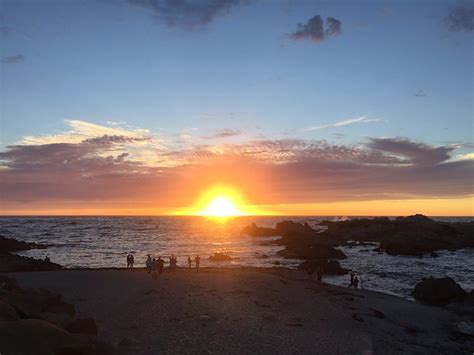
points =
(10, 262)
(414, 235)
(36, 321)
(441, 291)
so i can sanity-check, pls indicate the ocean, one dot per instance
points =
(94, 242)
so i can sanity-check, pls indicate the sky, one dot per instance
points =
(304, 107)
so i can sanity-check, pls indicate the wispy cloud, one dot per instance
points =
(461, 18)
(15, 59)
(313, 30)
(361, 119)
(187, 14)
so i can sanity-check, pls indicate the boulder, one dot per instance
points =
(331, 267)
(438, 291)
(82, 326)
(255, 231)
(220, 257)
(9, 244)
(314, 251)
(11, 263)
(7, 312)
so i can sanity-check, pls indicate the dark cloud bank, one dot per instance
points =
(279, 171)
(461, 18)
(314, 30)
(188, 14)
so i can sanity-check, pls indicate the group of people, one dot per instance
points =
(197, 261)
(154, 266)
(354, 280)
(130, 261)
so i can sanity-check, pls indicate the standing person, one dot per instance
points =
(149, 263)
(161, 264)
(128, 261)
(154, 269)
(352, 279)
(132, 260)
(319, 273)
(197, 261)
(189, 262)
(356, 282)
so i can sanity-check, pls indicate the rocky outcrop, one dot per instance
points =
(438, 291)
(255, 231)
(329, 267)
(413, 235)
(281, 229)
(11, 262)
(311, 251)
(36, 321)
(9, 244)
(220, 257)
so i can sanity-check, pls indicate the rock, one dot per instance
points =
(62, 307)
(11, 263)
(331, 267)
(254, 231)
(7, 312)
(220, 257)
(314, 251)
(9, 244)
(438, 291)
(34, 336)
(82, 326)
(290, 227)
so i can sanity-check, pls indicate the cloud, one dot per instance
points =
(15, 59)
(137, 169)
(416, 153)
(224, 133)
(313, 29)
(420, 93)
(461, 19)
(188, 14)
(361, 119)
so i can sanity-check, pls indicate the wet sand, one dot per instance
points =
(235, 311)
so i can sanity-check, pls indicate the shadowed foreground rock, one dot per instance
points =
(36, 321)
(329, 267)
(438, 291)
(11, 262)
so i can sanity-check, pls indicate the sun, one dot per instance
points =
(221, 206)
(221, 202)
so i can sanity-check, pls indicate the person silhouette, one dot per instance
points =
(132, 260)
(189, 262)
(356, 282)
(197, 261)
(149, 263)
(352, 279)
(161, 264)
(154, 269)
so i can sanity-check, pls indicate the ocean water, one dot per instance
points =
(105, 241)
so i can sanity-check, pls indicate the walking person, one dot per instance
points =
(197, 260)
(154, 269)
(189, 262)
(132, 260)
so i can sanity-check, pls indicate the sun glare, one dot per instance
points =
(221, 202)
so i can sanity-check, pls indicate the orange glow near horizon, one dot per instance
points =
(221, 202)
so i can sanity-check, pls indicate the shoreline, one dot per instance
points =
(258, 310)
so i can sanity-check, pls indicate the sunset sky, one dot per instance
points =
(301, 107)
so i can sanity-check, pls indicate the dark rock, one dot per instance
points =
(220, 257)
(7, 312)
(331, 267)
(314, 251)
(438, 291)
(82, 326)
(255, 231)
(11, 263)
(9, 244)
(62, 307)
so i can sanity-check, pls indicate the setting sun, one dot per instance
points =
(221, 206)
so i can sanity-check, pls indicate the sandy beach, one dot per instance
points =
(248, 311)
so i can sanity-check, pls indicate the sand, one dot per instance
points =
(239, 311)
